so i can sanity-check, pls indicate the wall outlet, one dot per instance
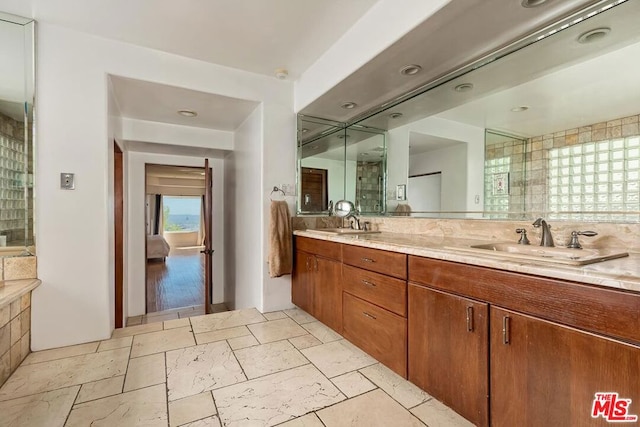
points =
(67, 181)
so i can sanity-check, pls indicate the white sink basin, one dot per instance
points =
(341, 231)
(558, 255)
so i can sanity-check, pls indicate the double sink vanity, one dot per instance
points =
(504, 334)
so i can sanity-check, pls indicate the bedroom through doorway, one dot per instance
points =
(175, 233)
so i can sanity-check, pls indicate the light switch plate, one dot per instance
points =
(67, 181)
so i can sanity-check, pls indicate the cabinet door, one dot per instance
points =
(327, 290)
(301, 283)
(546, 374)
(448, 354)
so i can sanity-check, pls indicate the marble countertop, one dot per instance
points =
(10, 290)
(621, 273)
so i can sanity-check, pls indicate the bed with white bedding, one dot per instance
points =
(157, 247)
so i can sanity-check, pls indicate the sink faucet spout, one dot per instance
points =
(547, 239)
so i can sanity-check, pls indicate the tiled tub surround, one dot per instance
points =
(234, 368)
(15, 324)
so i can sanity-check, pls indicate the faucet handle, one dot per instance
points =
(523, 236)
(574, 243)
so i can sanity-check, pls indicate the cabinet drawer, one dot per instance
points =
(377, 331)
(385, 262)
(376, 288)
(319, 247)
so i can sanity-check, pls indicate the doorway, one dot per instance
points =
(175, 228)
(314, 189)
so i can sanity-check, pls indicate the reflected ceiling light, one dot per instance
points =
(520, 109)
(395, 115)
(187, 113)
(463, 87)
(304, 130)
(410, 70)
(594, 35)
(348, 105)
(533, 3)
(341, 136)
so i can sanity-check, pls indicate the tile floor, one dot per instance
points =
(174, 313)
(237, 368)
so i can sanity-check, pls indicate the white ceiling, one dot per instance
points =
(422, 143)
(253, 35)
(176, 150)
(143, 100)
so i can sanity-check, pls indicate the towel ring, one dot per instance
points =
(276, 190)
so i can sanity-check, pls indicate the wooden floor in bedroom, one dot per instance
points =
(177, 282)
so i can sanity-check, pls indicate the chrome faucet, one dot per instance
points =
(355, 224)
(547, 239)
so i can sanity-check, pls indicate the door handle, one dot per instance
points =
(207, 251)
(506, 330)
(368, 260)
(368, 283)
(470, 319)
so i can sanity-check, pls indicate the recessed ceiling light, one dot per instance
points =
(533, 3)
(348, 105)
(304, 130)
(395, 115)
(520, 109)
(281, 73)
(410, 70)
(463, 87)
(594, 35)
(187, 113)
(342, 136)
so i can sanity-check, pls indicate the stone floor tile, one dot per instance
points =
(176, 323)
(304, 341)
(213, 421)
(60, 353)
(191, 408)
(372, 409)
(114, 343)
(48, 409)
(275, 398)
(276, 330)
(99, 389)
(136, 330)
(300, 316)
(322, 332)
(242, 342)
(222, 334)
(275, 315)
(161, 341)
(266, 359)
(144, 407)
(309, 420)
(435, 414)
(229, 319)
(337, 358)
(145, 371)
(194, 370)
(353, 384)
(407, 394)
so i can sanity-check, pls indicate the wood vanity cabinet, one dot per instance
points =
(552, 344)
(546, 374)
(317, 280)
(375, 304)
(449, 350)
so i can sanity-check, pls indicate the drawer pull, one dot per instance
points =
(470, 319)
(368, 283)
(368, 260)
(371, 316)
(506, 330)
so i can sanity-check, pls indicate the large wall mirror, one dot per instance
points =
(337, 162)
(16, 135)
(550, 129)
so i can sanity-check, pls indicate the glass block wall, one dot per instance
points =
(16, 219)
(586, 173)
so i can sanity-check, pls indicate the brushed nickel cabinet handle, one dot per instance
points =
(368, 283)
(470, 319)
(368, 260)
(371, 316)
(506, 330)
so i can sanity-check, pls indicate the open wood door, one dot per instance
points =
(208, 250)
(118, 214)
